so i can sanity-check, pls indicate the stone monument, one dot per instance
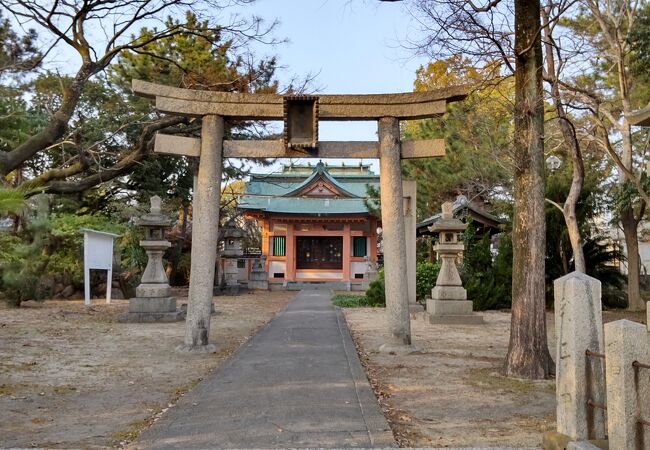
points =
(448, 303)
(153, 301)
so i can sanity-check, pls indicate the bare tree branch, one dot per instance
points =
(135, 156)
(73, 23)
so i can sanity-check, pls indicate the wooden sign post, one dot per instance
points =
(98, 254)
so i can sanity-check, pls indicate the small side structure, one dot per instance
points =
(239, 268)
(464, 210)
(153, 301)
(316, 227)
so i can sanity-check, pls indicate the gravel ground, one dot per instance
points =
(451, 392)
(73, 377)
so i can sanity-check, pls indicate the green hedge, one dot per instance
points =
(376, 293)
(350, 300)
(49, 253)
(426, 274)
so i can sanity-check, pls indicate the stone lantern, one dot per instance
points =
(153, 301)
(448, 303)
(232, 241)
(231, 253)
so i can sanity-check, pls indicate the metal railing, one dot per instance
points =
(638, 366)
(591, 402)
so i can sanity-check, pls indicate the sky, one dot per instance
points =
(353, 46)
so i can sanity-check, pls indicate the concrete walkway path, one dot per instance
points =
(297, 383)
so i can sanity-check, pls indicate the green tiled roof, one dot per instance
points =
(277, 192)
(304, 205)
(320, 173)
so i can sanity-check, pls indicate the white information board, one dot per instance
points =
(98, 254)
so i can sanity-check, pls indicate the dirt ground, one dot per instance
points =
(450, 393)
(72, 377)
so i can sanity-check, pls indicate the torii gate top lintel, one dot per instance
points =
(403, 106)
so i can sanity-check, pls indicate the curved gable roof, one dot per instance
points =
(310, 190)
(319, 175)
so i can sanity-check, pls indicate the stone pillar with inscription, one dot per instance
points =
(410, 201)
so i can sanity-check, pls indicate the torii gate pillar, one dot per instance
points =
(394, 236)
(205, 228)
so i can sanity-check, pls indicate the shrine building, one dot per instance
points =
(315, 225)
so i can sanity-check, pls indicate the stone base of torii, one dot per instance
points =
(300, 140)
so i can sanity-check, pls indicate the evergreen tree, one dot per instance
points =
(477, 138)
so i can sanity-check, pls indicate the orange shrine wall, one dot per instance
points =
(284, 268)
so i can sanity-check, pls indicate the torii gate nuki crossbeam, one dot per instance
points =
(301, 116)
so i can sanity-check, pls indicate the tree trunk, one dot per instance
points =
(630, 225)
(571, 143)
(528, 355)
(569, 209)
(566, 268)
(629, 221)
(178, 250)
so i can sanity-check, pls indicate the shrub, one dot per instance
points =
(22, 264)
(376, 293)
(65, 244)
(488, 280)
(426, 274)
(133, 259)
(350, 300)
(47, 254)
(601, 260)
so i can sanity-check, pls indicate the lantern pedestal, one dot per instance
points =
(452, 312)
(259, 278)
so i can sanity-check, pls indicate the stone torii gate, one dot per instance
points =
(300, 115)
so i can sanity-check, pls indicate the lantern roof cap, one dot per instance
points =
(154, 218)
(447, 222)
(230, 230)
